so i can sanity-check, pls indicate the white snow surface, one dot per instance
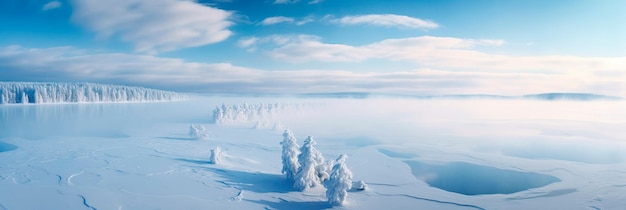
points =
(46, 93)
(140, 155)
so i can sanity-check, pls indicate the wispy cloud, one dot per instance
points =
(68, 64)
(387, 20)
(248, 42)
(154, 26)
(285, 1)
(51, 5)
(283, 19)
(276, 20)
(296, 1)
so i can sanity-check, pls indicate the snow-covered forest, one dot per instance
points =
(46, 93)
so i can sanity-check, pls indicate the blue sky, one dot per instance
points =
(424, 47)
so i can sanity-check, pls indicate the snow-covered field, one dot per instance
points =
(412, 154)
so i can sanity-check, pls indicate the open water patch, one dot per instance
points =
(471, 179)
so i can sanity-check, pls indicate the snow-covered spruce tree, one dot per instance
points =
(309, 159)
(290, 155)
(339, 183)
(216, 155)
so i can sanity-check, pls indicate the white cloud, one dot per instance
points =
(276, 20)
(51, 5)
(154, 26)
(440, 53)
(67, 64)
(389, 20)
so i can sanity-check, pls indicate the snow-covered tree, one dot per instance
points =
(198, 132)
(309, 159)
(323, 170)
(339, 183)
(216, 155)
(290, 155)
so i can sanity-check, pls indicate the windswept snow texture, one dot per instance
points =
(46, 93)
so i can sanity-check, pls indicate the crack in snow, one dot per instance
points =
(238, 197)
(434, 200)
(85, 202)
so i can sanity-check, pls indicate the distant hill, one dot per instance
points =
(337, 95)
(570, 96)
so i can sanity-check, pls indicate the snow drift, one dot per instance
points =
(45, 93)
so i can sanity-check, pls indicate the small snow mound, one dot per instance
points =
(51, 92)
(359, 186)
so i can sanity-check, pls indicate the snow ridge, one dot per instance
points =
(52, 92)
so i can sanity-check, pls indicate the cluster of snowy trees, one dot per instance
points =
(51, 92)
(305, 168)
(262, 114)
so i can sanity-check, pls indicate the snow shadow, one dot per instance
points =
(285, 204)
(254, 181)
(472, 179)
(178, 138)
(200, 162)
(4, 147)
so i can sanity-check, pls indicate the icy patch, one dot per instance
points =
(4, 147)
(471, 179)
(47, 93)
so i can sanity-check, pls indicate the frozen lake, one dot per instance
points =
(428, 154)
